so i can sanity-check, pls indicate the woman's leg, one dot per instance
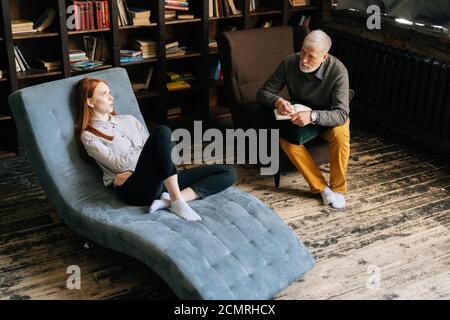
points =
(206, 180)
(153, 167)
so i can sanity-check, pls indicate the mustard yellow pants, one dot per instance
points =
(339, 143)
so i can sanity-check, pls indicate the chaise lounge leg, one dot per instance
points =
(277, 179)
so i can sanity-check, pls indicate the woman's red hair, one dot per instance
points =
(84, 91)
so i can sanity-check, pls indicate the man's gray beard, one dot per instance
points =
(308, 70)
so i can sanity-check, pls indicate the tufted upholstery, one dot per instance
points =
(240, 250)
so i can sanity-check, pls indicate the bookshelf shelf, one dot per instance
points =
(186, 56)
(303, 8)
(178, 21)
(34, 35)
(146, 94)
(265, 11)
(71, 33)
(153, 24)
(105, 66)
(149, 60)
(30, 74)
(236, 16)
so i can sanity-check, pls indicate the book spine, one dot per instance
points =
(77, 12)
(107, 18)
(91, 14)
(98, 15)
(82, 16)
(103, 10)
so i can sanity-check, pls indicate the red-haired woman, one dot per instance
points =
(139, 164)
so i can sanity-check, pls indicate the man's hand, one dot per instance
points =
(283, 106)
(121, 178)
(301, 118)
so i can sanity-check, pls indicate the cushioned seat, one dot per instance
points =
(240, 250)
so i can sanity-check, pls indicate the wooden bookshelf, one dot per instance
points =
(194, 33)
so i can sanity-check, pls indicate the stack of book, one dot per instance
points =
(141, 17)
(223, 8)
(21, 62)
(177, 5)
(299, 3)
(127, 56)
(49, 64)
(173, 49)
(89, 15)
(79, 61)
(179, 81)
(174, 113)
(22, 25)
(177, 9)
(1, 74)
(146, 46)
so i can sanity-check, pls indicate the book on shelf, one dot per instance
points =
(185, 16)
(178, 85)
(215, 69)
(223, 8)
(299, 3)
(298, 20)
(85, 65)
(77, 56)
(146, 46)
(142, 80)
(49, 64)
(20, 59)
(252, 5)
(125, 17)
(22, 26)
(170, 14)
(45, 20)
(176, 5)
(140, 16)
(90, 45)
(174, 113)
(173, 49)
(174, 76)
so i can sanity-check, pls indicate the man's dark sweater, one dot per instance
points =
(325, 90)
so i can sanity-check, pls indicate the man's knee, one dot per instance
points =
(340, 135)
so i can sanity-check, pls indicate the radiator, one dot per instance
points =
(405, 86)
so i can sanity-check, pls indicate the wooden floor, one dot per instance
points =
(395, 228)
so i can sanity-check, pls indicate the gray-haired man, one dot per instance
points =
(320, 81)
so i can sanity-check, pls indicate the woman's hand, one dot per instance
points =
(121, 178)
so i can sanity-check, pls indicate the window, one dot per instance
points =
(431, 14)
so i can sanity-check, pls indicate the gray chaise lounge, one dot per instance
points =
(240, 250)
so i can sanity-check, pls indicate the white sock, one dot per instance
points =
(159, 204)
(182, 209)
(165, 196)
(327, 196)
(338, 201)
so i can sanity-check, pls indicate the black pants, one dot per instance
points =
(155, 165)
